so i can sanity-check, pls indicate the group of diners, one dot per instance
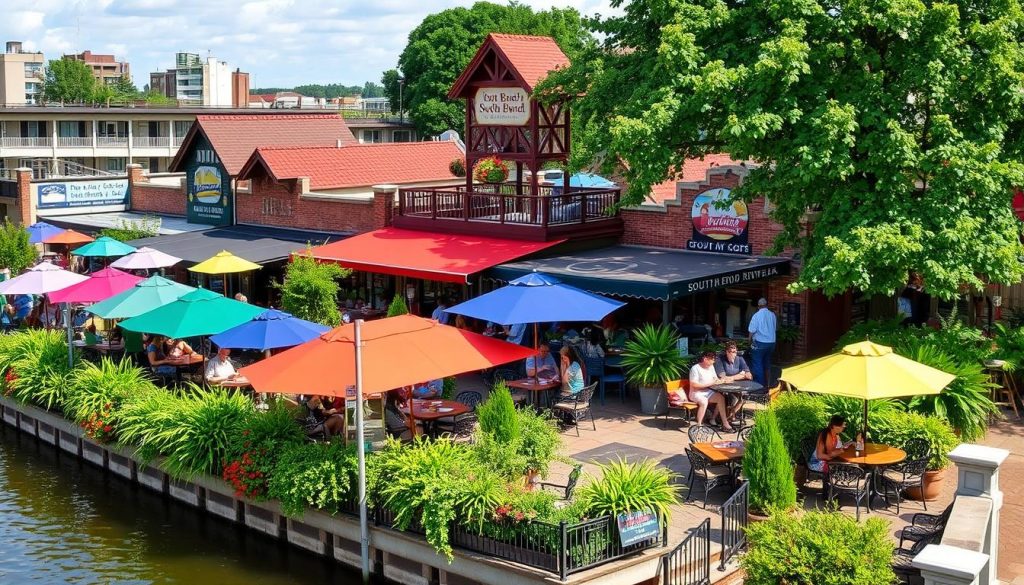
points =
(167, 355)
(712, 370)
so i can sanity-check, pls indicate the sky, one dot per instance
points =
(281, 43)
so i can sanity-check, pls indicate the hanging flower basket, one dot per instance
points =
(490, 170)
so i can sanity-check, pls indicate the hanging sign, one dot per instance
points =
(719, 226)
(502, 106)
(81, 193)
(209, 186)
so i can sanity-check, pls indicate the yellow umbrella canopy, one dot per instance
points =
(867, 371)
(224, 262)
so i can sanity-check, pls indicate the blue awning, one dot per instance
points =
(651, 273)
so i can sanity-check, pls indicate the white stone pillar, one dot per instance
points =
(978, 475)
(949, 565)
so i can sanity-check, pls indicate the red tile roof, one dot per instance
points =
(235, 136)
(530, 57)
(695, 170)
(360, 165)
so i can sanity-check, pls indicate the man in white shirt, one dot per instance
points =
(220, 368)
(762, 337)
(439, 314)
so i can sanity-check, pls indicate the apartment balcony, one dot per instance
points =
(22, 142)
(177, 140)
(497, 210)
(112, 141)
(74, 142)
(151, 141)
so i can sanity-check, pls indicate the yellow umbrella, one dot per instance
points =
(224, 263)
(867, 371)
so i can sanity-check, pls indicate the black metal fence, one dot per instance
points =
(690, 562)
(734, 525)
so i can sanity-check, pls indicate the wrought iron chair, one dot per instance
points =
(508, 375)
(462, 429)
(577, 407)
(908, 473)
(702, 434)
(924, 525)
(470, 398)
(744, 433)
(902, 559)
(848, 479)
(807, 447)
(569, 487)
(702, 469)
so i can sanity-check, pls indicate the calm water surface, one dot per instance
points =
(64, 521)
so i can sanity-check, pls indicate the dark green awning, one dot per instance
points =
(652, 273)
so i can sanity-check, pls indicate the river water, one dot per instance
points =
(64, 521)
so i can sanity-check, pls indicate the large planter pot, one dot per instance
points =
(755, 516)
(653, 400)
(932, 486)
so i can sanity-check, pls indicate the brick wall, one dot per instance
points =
(26, 212)
(280, 204)
(147, 197)
(670, 226)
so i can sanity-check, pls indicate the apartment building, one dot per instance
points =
(21, 76)
(195, 81)
(106, 69)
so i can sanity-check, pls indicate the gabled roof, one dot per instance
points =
(360, 165)
(530, 59)
(235, 136)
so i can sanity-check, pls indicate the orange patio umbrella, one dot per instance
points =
(68, 238)
(376, 357)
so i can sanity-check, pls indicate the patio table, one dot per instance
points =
(429, 411)
(873, 455)
(721, 452)
(103, 347)
(239, 382)
(534, 386)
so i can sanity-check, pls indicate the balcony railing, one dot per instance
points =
(487, 208)
(112, 141)
(21, 142)
(151, 141)
(74, 141)
(177, 140)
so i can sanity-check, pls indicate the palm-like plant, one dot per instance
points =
(651, 357)
(630, 487)
(965, 403)
(95, 388)
(38, 362)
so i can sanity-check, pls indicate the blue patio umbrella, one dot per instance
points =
(536, 298)
(270, 329)
(40, 231)
(589, 180)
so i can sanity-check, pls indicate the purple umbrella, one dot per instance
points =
(40, 231)
(43, 278)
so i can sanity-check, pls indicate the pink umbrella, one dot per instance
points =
(41, 279)
(100, 285)
(145, 259)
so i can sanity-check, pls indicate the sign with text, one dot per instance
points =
(502, 106)
(719, 225)
(81, 193)
(734, 278)
(637, 527)
(209, 186)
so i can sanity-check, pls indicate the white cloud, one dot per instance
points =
(280, 42)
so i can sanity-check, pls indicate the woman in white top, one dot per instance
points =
(702, 379)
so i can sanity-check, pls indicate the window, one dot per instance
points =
(402, 136)
(117, 164)
(72, 129)
(181, 127)
(33, 129)
(33, 69)
(372, 136)
(154, 164)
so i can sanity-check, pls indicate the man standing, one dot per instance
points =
(762, 337)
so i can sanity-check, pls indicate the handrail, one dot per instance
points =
(689, 563)
(734, 524)
(500, 204)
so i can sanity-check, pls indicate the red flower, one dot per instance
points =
(107, 429)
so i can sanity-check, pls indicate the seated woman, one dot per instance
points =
(430, 389)
(158, 358)
(320, 419)
(828, 445)
(177, 351)
(573, 379)
(395, 421)
(702, 380)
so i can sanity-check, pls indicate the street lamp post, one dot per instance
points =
(401, 105)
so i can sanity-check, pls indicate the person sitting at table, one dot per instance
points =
(429, 389)
(114, 336)
(828, 445)
(395, 421)
(178, 351)
(542, 365)
(515, 333)
(321, 419)
(591, 346)
(158, 359)
(220, 368)
(460, 323)
(730, 367)
(702, 381)
(90, 335)
(573, 379)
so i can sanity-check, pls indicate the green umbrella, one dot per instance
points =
(155, 291)
(104, 246)
(200, 312)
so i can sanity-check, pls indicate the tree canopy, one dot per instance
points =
(900, 122)
(68, 81)
(16, 253)
(310, 290)
(328, 91)
(444, 43)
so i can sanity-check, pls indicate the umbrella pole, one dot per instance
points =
(67, 321)
(865, 421)
(364, 533)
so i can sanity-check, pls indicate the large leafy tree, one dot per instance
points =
(16, 253)
(310, 289)
(68, 81)
(444, 43)
(900, 120)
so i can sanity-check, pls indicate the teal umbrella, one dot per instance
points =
(200, 312)
(104, 246)
(155, 291)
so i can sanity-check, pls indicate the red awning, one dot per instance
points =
(427, 255)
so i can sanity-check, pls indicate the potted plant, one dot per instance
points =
(767, 467)
(457, 167)
(629, 487)
(786, 337)
(650, 360)
(894, 427)
(490, 170)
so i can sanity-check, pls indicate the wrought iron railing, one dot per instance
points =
(500, 204)
(734, 525)
(689, 563)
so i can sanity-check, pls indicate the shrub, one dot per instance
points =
(398, 307)
(819, 548)
(798, 415)
(206, 422)
(897, 428)
(310, 289)
(314, 474)
(651, 357)
(96, 392)
(540, 440)
(253, 454)
(148, 421)
(498, 417)
(629, 487)
(16, 253)
(37, 361)
(767, 467)
(965, 403)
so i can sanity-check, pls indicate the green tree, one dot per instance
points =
(900, 123)
(155, 98)
(371, 90)
(398, 306)
(766, 466)
(124, 89)
(443, 44)
(68, 81)
(310, 290)
(16, 253)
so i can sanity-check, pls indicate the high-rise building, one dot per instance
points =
(105, 68)
(21, 75)
(198, 82)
